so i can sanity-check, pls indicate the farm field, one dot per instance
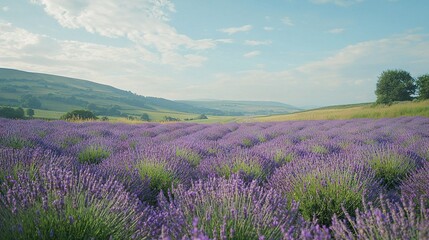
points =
(317, 179)
(353, 111)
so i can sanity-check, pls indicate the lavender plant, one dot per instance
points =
(392, 220)
(415, 187)
(323, 186)
(230, 209)
(391, 166)
(64, 205)
(93, 154)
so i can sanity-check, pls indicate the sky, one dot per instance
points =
(299, 52)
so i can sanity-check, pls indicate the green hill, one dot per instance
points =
(64, 94)
(243, 108)
(351, 111)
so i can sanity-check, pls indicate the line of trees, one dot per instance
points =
(399, 85)
(16, 113)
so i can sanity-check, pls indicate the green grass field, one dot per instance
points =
(354, 111)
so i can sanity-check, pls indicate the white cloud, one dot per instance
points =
(252, 54)
(233, 30)
(348, 76)
(337, 2)
(144, 22)
(121, 67)
(268, 29)
(336, 30)
(287, 21)
(257, 43)
(5, 8)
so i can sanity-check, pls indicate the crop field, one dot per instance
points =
(321, 179)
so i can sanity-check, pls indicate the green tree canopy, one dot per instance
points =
(145, 117)
(30, 112)
(30, 101)
(423, 86)
(79, 114)
(394, 85)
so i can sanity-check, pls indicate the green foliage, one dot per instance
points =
(145, 117)
(15, 142)
(70, 141)
(192, 157)
(423, 86)
(202, 116)
(394, 85)
(319, 149)
(247, 142)
(9, 112)
(79, 115)
(391, 168)
(250, 168)
(160, 178)
(30, 112)
(171, 119)
(281, 157)
(324, 198)
(93, 155)
(30, 101)
(78, 221)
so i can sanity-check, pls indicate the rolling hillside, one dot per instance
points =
(243, 108)
(352, 111)
(63, 94)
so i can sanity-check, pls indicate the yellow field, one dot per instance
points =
(367, 111)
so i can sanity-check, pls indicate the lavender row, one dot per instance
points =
(353, 179)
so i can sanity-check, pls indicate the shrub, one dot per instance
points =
(64, 205)
(399, 220)
(323, 186)
(160, 178)
(244, 164)
(415, 186)
(79, 115)
(15, 142)
(281, 157)
(229, 209)
(192, 157)
(93, 155)
(390, 166)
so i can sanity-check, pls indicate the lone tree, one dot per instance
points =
(145, 117)
(395, 85)
(30, 112)
(423, 86)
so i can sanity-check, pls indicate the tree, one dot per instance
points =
(30, 101)
(79, 115)
(145, 117)
(30, 112)
(202, 116)
(423, 86)
(8, 112)
(394, 85)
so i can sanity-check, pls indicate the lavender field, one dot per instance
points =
(337, 179)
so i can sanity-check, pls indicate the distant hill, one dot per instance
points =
(64, 94)
(243, 108)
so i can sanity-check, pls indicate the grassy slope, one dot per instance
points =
(355, 111)
(243, 107)
(15, 83)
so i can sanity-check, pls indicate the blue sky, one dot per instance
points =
(300, 52)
